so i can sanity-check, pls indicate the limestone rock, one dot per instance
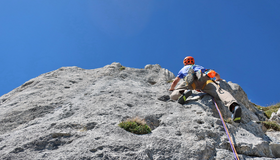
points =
(275, 117)
(73, 113)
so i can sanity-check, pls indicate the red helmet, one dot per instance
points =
(188, 60)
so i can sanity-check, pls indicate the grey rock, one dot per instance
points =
(275, 117)
(73, 113)
(275, 144)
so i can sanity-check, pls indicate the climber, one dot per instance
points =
(198, 78)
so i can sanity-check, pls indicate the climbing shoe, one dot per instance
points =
(182, 99)
(236, 114)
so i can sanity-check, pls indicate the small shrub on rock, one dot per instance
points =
(229, 120)
(269, 110)
(135, 125)
(122, 68)
(271, 125)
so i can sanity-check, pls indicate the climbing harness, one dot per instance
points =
(225, 127)
(207, 82)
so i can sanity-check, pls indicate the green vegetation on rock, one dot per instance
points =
(271, 125)
(269, 110)
(135, 125)
(122, 68)
(170, 81)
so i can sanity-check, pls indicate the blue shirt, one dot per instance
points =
(184, 71)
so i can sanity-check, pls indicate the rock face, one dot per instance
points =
(275, 116)
(72, 113)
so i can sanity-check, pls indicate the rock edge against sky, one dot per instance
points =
(73, 113)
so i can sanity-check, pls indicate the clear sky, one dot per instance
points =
(240, 39)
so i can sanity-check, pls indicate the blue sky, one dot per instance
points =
(240, 39)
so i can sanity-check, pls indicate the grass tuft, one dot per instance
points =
(135, 125)
(269, 110)
(122, 68)
(229, 120)
(271, 125)
(170, 81)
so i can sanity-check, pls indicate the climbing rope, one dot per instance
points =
(230, 141)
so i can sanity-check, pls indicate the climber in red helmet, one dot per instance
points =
(197, 77)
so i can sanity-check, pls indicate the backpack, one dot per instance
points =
(192, 75)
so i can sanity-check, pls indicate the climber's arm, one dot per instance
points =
(174, 83)
(218, 77)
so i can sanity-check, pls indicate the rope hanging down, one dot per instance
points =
(230, 141)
